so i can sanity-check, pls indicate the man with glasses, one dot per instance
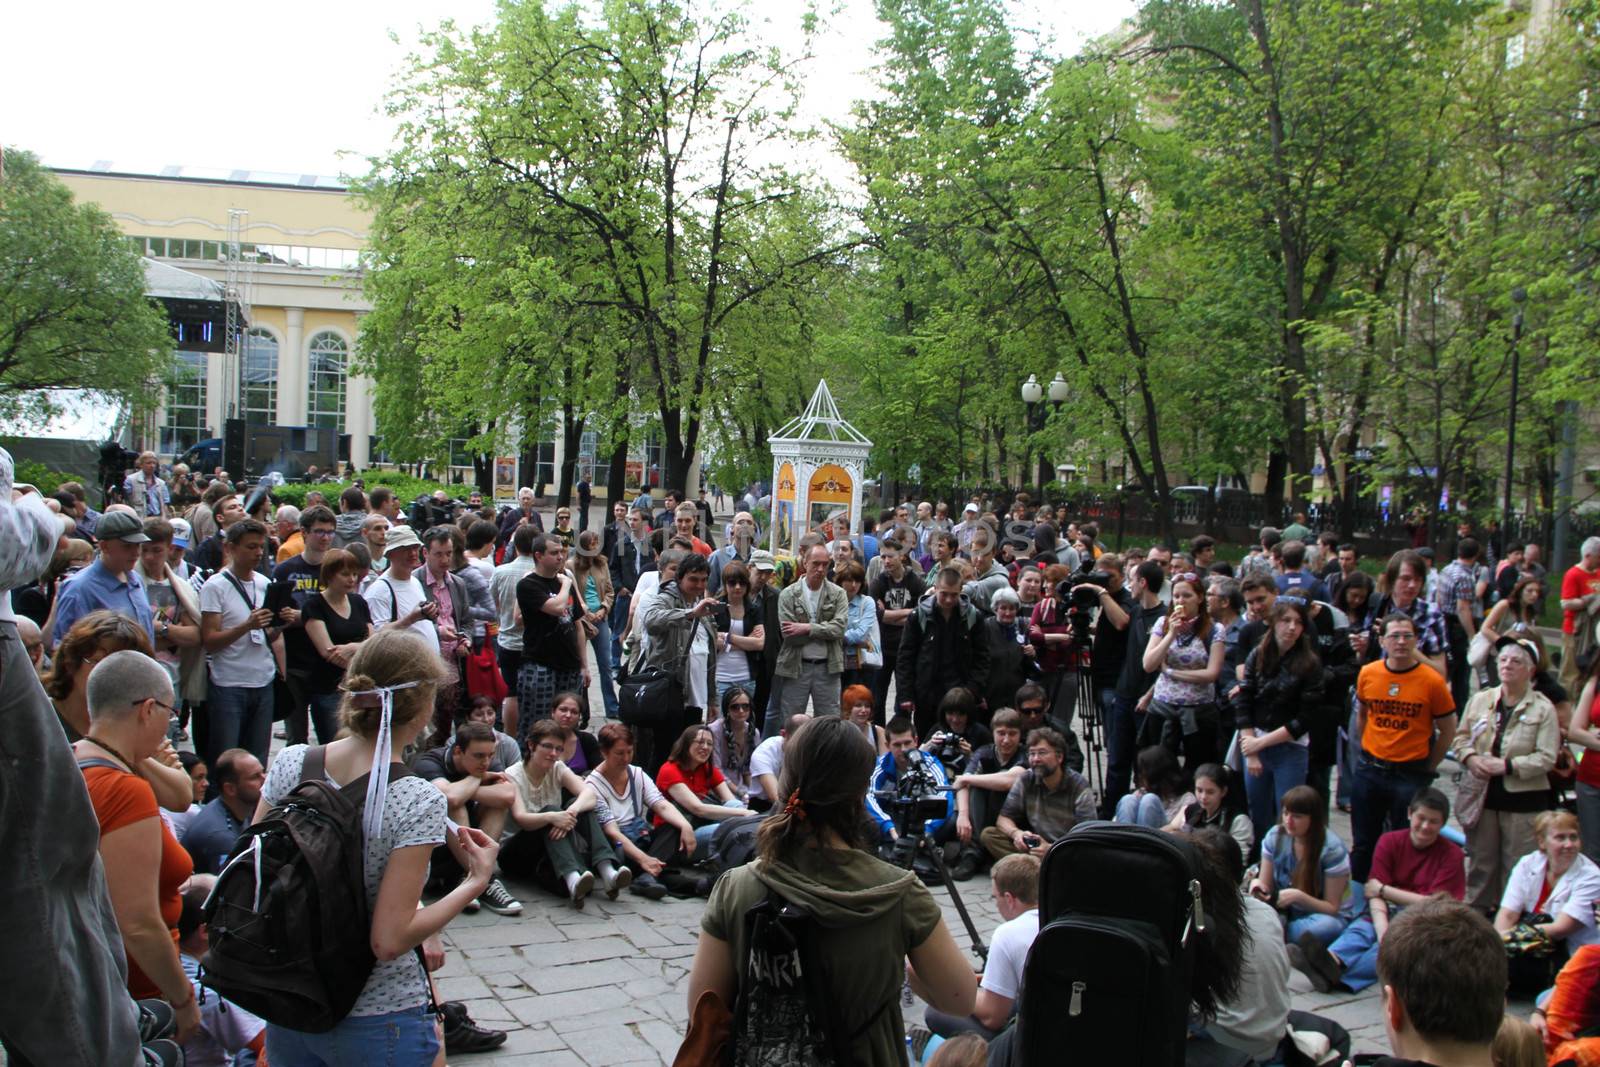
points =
(1405, 721)
(210, 836)
(110, 582)
(304, 575)
(1043, 804)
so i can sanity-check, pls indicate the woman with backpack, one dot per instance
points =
(389, 688)
(862, 919)
(1278, 702)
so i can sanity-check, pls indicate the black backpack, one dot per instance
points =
(784, 1011)
(289, 926)
(1108, 980)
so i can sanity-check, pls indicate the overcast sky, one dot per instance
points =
(294, 85)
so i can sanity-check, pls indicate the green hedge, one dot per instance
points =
(405, 487)
(45, 480)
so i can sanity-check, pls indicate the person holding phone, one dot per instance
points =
(240, 634)
(395, 597)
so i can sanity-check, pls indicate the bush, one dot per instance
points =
(46, 480)
(404, 486)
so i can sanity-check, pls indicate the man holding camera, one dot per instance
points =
(1043, 804)
(906, 773)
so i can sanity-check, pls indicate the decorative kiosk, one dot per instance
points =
(818, 462)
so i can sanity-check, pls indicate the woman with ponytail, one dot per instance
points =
(387, 701)
(868, 916)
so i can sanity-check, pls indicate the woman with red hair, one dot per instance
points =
(856, 705)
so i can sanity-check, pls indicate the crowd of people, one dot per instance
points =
(922, 679)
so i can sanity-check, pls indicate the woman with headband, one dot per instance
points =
(388, 696)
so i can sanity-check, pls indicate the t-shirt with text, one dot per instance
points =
(1401, 707)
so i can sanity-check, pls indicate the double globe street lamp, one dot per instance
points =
(1033, 394)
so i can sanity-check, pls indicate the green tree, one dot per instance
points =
(73, 314)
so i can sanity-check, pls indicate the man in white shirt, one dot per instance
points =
(239, 634)
(766, 764)
(395, 597)
(508, 641)
(1015, 887)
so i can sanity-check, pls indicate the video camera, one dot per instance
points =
(427, 512)
(1081, 602)
(948, 749)
(916, 797)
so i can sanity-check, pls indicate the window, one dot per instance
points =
(325, 384)
(258, 380)
(1516, 45)
(185, 423)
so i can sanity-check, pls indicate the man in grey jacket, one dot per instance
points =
(683, 641)
(812, 614)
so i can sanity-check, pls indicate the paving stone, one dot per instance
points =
(639, 932)
(671, 952)
(467, 987)
(543, 1009)
(529, 1040)
(587, 950)
(491, 1011)
(581, 976)
(663, 1038)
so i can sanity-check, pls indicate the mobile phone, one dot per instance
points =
(1032, 840)
(280, 595)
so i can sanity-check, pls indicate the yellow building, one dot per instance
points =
(301, 238)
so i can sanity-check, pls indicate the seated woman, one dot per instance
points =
(957, 734)
(871, 915)
(691, 781)
(582, 751)
(1305, 871)
(1553, 889)
(1570, 1017)
(1162, 794)
(557, 845)
(130, 707)
(1218, 804)
(627, 797)
(734, 739)
(856, 700)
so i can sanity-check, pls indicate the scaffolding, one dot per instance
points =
(238, 284)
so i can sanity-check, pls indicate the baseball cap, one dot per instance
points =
(973, 508)
(120, 526)
(182, 532)
(762, 560)
(1527, 644)
(400, 537)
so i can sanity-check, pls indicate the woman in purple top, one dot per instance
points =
(1187, 648)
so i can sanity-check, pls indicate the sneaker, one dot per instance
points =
(462, 1035)
(1312, 959)
(156, 1019)
(647, 887)
(162, 1053)
(615, 879)
(965, 867)
(580, 889)
(471, 907)
(497, 900)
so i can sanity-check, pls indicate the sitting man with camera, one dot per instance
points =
(1043, 804)
(908, 787)
(991, 773)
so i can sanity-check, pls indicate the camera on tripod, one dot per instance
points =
(1081, 603)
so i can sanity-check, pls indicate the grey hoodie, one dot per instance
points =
(347, 528)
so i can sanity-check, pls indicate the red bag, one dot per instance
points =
(483, 675)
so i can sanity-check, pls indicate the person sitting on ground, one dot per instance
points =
(994, 769)
(482, 710)
(469, 773)
(1408, 867)
(856, 703)
(627, 796)
(957, 723)
(389, 691)
(766, 765)
(226, 1030)
(869, 915)
(582, 752)
(1305, 870)
(1444, 986)
(130, 706)
(1015, 888)
(1569, 1017)
(195, 768)
(902, 758)
(1218, 804)
(1553, 889)
(558, 845)
(734, 739)
(1044, 803)
(209, 838)
(1161, 792)
(690, 779)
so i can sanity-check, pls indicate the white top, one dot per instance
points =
(178, 821)
(414, 813)
(389, 599)
(1255, 1021)
(813, 648)
(1008, 951)
(767, 758)
(546, 794)
(699, 659)
(248, 662)
(503, 587)
(732, 663)
(225, 1028)
(1575, 894)
(644, 594)
(633, 803)
(28, 534)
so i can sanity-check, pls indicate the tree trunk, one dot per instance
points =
(571, 441)
(617, 472)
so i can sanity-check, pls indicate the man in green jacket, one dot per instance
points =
(812, 614)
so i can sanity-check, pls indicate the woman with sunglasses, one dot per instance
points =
(734, 739)
(740, 633)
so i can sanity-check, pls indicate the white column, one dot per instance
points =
(292, 370)
(358, 419)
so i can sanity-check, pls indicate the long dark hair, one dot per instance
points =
(1304, 800)
(1358, 580)
(1234, 803)
(685, 741)
(826, 764)
(1202, 619)
(1301, 659)
(1157, 770)
(1219, 966)
(1517, 609)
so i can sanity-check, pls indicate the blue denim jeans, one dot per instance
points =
(1325, 928)
(1282, 768)
(618, 619)
(1143, 809)
(601, 643)
(702, 834)
(325, 716)
(1121, 744)
(1357, 949)
(1379, 797)
(404, 1038)
(240, 717)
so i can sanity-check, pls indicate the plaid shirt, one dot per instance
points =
(1431, 638)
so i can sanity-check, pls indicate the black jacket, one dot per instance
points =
(937, 654)
(1266, 701)
(1008, 667)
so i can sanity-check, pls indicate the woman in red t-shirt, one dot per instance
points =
(692, 782)
(1585, 731)
(130, 708)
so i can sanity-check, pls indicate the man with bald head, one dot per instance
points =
(812, 614)
(739, 546)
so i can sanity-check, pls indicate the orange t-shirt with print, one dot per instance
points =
(1401, 707)
(121, 799)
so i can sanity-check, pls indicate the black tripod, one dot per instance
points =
(913, 842)
(1091, 720)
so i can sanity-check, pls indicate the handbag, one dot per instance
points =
(870, 651)
(649, 696)
(483, 677)
(1471, 792)
(710, 1028)
(283, 703)
(1478, 651)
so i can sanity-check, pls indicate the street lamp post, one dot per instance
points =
(1033, 395)
(1519, 296)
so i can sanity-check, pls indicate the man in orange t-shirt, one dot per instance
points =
(1406, 723)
